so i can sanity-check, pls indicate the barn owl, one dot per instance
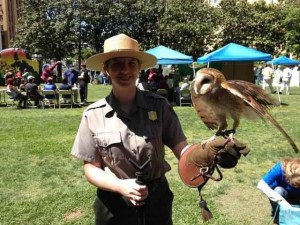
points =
(215, 99)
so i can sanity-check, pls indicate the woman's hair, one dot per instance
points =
(291, 168)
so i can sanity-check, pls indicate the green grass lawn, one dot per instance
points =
(42, 184)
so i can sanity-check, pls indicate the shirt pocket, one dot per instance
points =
(104, 141)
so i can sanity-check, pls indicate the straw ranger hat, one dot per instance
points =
(120, 46)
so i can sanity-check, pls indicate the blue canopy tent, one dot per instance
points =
(167, 56)
(235, 61)
(283, 60)
(235, 52)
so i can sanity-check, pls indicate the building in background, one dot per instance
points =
(9, 14)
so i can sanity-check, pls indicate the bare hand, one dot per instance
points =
(134, 192)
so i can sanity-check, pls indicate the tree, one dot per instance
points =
(188, 27)
(292, 27)
(256, 25)
(136, 18)
(48, 26)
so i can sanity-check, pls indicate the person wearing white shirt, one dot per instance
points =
(267, 74)
(286, 80)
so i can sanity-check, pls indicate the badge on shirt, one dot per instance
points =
(152, 115)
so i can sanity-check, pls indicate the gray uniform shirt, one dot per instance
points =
(108, 134)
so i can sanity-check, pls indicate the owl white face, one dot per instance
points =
(203, 83)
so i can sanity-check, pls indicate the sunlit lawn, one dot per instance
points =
(42, 184)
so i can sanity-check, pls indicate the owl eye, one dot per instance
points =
(205, 81)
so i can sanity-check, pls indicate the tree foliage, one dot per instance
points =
(47, 26)
(188, 27)
(58, 28)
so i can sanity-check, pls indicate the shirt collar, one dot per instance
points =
(139, 102)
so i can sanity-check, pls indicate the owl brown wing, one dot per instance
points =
(205, 112)
(253, 95)
(260, 102)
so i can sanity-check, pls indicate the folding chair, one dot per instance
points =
(185, 97)
(11, 100)
(33, 96)
(50, 98)
(65, 98)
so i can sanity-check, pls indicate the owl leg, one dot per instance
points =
(230, 133)
(222, 125)
(227, 133)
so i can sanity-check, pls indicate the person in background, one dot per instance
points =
(185, 84)
(8, 74)
(83, 81)
(15, 94)
(26, 74)
(162, 82)
(282, 184)
(286, 80)
(65, 86)
(142, 82)
(22, 85)
(53, 62)
(48, 71)
(71, 74)
(18, 76)
(105, 79)
(32, 91)
(51, 86)
(278, 75)
(123, 131)
(267, 74)
(257, 74)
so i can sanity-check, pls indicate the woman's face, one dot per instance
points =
(123, 71)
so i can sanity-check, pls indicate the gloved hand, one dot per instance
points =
(206, 152)
(229, 155)
(225, 153)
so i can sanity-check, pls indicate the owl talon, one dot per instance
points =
(226, 133)
(230, 138)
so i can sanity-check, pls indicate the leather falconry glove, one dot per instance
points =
(200, 159)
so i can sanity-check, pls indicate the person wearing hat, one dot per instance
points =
(32, 91)
(121, 140)
(48, 70)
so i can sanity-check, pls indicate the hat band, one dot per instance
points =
(119, 50)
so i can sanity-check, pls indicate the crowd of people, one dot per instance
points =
(280, 76)
(154, 79)
(23, 85)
